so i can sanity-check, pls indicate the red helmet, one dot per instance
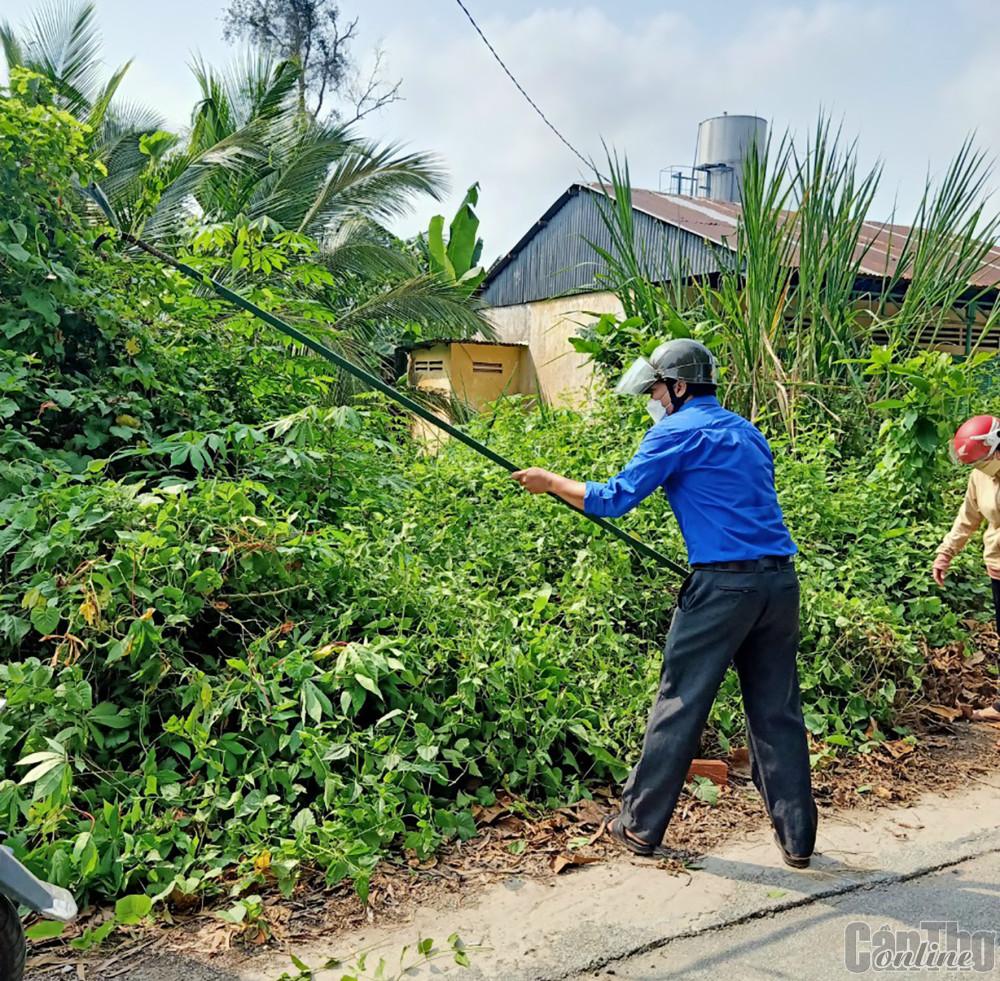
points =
(976, 439)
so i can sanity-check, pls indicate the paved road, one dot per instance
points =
(808, 942)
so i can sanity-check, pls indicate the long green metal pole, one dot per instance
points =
(371, 380)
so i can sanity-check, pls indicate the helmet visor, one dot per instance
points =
(638, 380)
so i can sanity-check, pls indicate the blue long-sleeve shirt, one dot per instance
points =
(717, 471)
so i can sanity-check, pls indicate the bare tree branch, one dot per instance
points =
(373, 93)
(313, 33)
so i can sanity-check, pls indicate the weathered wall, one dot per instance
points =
(473, 373)
(438, 380)
(551, 366)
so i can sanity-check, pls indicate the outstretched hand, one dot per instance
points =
(534, 480)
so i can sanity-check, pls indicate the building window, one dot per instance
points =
(488, 367)
(428, 366)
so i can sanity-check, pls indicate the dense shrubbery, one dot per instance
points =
(248, 632)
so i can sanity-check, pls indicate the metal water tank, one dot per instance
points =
(723, 144)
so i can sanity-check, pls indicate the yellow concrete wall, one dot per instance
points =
(481, 387)
(437, 380)
(428, 435)
(562, 376)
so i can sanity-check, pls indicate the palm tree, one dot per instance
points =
(62, 42)
(252, 155)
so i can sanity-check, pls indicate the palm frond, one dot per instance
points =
(64, 42)
(424, 300)
(373, 181)
(13, 52)
(253, 87)
(352, 250)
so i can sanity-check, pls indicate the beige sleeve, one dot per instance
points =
(966, 524)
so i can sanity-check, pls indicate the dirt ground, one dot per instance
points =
(519, 843)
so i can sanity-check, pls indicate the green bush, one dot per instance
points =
(248, 633)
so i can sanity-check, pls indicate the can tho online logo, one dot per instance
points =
(936, 945)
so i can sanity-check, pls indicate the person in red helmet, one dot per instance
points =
(977, 444)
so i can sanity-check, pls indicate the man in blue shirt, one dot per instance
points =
(739, 605)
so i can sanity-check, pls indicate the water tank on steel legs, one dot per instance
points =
(723, 144)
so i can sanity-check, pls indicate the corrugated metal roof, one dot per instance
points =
(715, 222)
(555, 257)
(881, 242)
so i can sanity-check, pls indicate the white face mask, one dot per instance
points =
(655, 409)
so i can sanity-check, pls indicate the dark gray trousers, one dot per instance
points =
(751, 620)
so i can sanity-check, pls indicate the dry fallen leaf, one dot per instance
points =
(943, 711)
(487, 815)
(584, 811)
(565, 859)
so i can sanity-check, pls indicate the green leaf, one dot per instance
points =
(303, 821)
(440, 263)
(109, 715)
(17, 252)
(45, 619)
(311, 702)
(41, 764)
(542, 599)
(926, 434)
(61, 397)
(131, 910)
(368, 684)
(893, 533)
(462, 234)
(45, 930)
(42, 303)
(704, 789)
(7, 408)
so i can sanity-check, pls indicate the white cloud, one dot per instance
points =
(645, 88)
(910, 78)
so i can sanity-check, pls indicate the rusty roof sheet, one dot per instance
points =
(880, 242)
(434, 341)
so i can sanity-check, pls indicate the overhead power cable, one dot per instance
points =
(520, 88)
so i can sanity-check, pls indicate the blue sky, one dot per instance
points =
(909, 78)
